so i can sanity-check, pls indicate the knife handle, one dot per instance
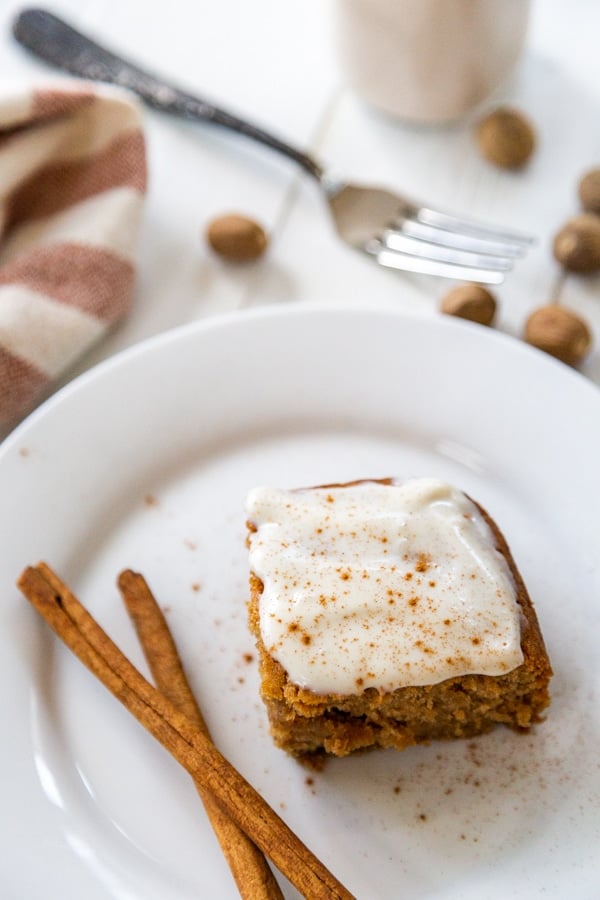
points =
(58, 43)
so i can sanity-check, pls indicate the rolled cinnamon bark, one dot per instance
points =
(249, 868)
(190, 747)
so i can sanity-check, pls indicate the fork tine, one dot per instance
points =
(394, 259)
(437, 219)
(395, 240)
(459, 240)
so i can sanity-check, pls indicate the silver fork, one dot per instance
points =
(391, 228)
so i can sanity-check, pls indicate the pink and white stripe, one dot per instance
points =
(72, 181)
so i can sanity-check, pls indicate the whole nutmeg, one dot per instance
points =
(506, 138)
(559, 332)
(237, 238)
(577, 244)
(589, 191)
(470, 301)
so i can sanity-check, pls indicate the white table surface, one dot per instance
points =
(276, 63)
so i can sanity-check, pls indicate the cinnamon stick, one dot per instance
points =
(190, 747)
(250, 870)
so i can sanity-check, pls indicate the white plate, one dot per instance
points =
(146, 461)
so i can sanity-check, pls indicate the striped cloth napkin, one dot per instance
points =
(73, 178)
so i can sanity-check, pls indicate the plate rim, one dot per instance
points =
(188, 330)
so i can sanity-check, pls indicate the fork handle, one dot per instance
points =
(61, 45)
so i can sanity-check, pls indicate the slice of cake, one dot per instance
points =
(388, 614)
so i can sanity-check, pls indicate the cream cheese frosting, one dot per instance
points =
(381, 585)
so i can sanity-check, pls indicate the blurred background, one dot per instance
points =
(277, 63)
